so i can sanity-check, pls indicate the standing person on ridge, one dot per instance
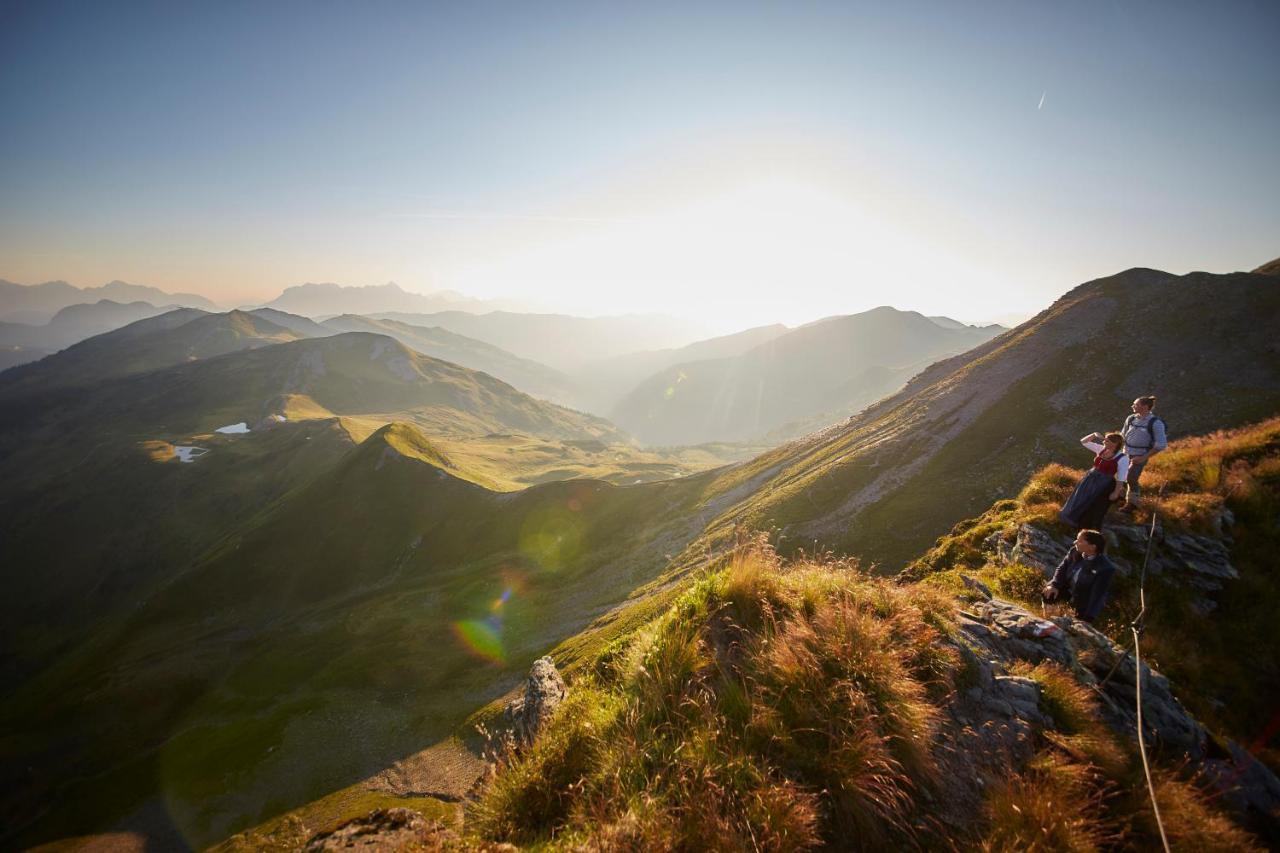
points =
(1103, 485)
(1144, 437)
(1083, 577)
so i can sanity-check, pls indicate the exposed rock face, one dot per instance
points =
(1032, 546)
(1006, 709)
(544, 691)
(385, 829)
(1202, 562)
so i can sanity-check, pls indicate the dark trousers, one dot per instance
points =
(1133, 490)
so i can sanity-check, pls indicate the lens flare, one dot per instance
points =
(482, 637)
(552, 538)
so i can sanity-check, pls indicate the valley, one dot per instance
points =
(249, 621)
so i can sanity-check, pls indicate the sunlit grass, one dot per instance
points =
(772, 707)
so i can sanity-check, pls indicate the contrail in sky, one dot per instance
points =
(1042, 94)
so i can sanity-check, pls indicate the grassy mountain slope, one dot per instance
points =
(807, 705)
(86, 459)
(529, 376)
(358, 612)
(176, 337)
(606, 381)
(347, 623)
(348, 374)
(137, 515)
(1209, 633)
(833, 367)
(786, 706)
(304, 326)
(971, 428)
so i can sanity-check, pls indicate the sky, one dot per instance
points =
(739, 163)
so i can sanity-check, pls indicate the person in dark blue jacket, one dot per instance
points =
(1083, 576)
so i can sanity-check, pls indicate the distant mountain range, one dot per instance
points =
(810, 376)
(326, 299)
(175, 337)
(23, 342)
(605, 381)
(705, 377)
(525, 374)
(558, 340)
(36, 304)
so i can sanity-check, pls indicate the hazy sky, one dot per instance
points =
(739, 162)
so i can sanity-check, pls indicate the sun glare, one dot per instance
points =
(738, 256)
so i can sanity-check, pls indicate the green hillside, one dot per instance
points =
(791, 704)
(176, 337)
(87, 457)
(358, 612)
(529, 376)
(349, 374)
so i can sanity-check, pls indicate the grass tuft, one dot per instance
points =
(771, 707)
(1053, 806)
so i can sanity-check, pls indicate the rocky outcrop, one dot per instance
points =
(543, 692)
(385, 829)
(1202, 562)
(1006, 708)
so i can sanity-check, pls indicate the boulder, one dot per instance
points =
(543, 692)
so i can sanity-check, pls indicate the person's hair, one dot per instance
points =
(1149, 401)
(1114, 438)
(1095, 539)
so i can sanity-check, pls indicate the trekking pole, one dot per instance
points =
(1136, 623)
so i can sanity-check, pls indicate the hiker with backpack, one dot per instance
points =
(1144, 437)
(1102, 486)
(1083, 577)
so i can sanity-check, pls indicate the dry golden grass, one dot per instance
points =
(772, 708)
(1080, 732)
(797, 706)
(1053, 806)
(1190, 822)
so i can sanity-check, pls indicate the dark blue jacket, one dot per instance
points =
(1086, 581)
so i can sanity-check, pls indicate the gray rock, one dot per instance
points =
(384, 829)
(1018, 689)
(1204, 556)
(1245, 782)
(544, 691)
(977, 586)
(1038, 548)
